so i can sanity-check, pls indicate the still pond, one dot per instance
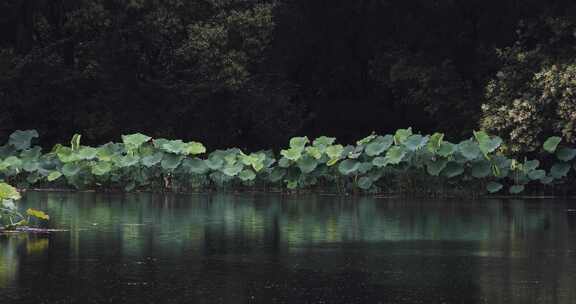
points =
(141, 248)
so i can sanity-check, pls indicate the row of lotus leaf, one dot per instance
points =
(140, 162)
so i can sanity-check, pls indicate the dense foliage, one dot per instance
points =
(395, 163)
(254, 73)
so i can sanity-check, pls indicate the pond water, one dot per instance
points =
(142, 248)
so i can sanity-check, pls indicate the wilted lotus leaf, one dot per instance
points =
(22, 140)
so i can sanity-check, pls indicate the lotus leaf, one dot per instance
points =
(54, 175)
(247, 175)
(469, 149)
(366, 139)
(395, 155)
(22, 140)
(536, 174)
(434, 167)
(101, 168)
(365, 183)
(379, 145)
(152, 160)
(348, 166)
(453, 169)
(171, 161)
(298, 143)
(134, 141)
(551, 144)
(401, 135)
(566, 154)
(307, 164)
(415, 142)
(494, 187)
(481, 169)
(447, 149)
(559, 170)
(516, 189)
(8, 192)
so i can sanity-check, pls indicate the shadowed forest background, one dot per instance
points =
(252, 74)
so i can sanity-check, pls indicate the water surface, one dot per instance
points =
(142, 248)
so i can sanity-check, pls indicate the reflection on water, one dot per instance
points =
(268, 249)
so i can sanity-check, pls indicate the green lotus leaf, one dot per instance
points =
(453, 169)
(298, 143)
(291, 185)
(401, 135)
(292, 154)
(566, 154)
(559, 170)
(364, 183)
(395, 155)
(379, 145)
(551, 144)
(314, 152)
(87, 153)
(332, 162)
(65, 154)
(8, 192)
(415, 142)
(126, 161)
(322, 142)
(501, 166)
(481, 169)
(106, 152)
(31, 154)
(195, 166)
(277, 174)
(75, 142)
(70, 169)
(194, 148)
(152, 160)
(171, 161)
(516, 189)
(469, 149)
(494, 187)
(536, 174)
(365, 167)
(30, 165)
(446, 149)
(174, 146)
(436, 166)
(22, 140)
(379, 162)
(13, 161)
(435, 142)
(348, 166)
(214, 162)
(134, 141)
(54, 175)
(233, 170)
(307, 164)
(531, 165)
(486, 144)
(334, 151)
(366, 139)
(546, 180)
(247, 175)
(284, 162)
(101, 168)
